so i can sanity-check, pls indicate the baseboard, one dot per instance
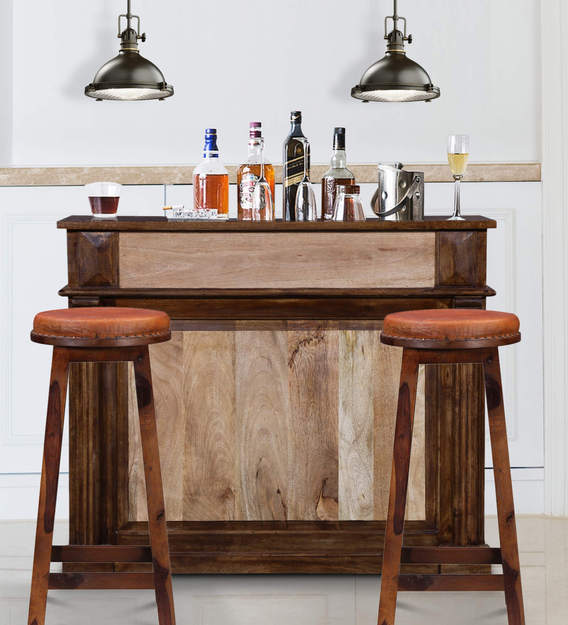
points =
(528, 489)
(19, 494)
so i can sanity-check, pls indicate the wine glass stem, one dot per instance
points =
(457, 197)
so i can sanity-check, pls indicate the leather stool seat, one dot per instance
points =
(456, 328)
(101, 327)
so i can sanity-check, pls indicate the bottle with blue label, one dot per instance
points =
(211, 182)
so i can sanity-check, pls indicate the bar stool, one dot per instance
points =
(101, 335)
(446, 337)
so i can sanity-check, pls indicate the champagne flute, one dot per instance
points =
(306, 208)
(458, 155)
(262, 203)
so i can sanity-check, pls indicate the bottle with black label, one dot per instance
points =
(338, 174)
(295, 147)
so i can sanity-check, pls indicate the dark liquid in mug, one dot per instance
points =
(104, 205)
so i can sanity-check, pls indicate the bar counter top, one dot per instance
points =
(162, 224)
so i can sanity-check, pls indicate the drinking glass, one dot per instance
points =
(348, 205)
(103, 197)
(306, 207)
(262, 202)
(458, 155)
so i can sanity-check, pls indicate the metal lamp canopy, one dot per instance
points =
(129, 76)
(395, 77)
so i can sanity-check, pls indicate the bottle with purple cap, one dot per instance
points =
(249, 173)
(211, 182)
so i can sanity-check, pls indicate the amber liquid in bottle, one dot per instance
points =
(337, 175)
(249, 173)
(211, 192)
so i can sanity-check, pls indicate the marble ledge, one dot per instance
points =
(156, 175)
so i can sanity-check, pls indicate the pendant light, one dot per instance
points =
(129, 76)
(395, 77)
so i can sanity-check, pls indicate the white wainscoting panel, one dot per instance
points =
(528, 491)
(33, 268)
(514, 270)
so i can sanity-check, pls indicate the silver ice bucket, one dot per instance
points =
(400, 193)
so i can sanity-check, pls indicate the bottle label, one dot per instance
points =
(294, 171)
(246, 190)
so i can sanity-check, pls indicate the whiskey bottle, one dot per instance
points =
(295, 147)
(249, 172)
(211, 182)
(338, 174)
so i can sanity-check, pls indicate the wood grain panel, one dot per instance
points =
(358, 362)
(137, 510)
(210, 477)
(385, 400)
(92, 259)
(462, 258)
(276, 424)
(263, 421)
(277, 260)
(313, 432)
(166, 363)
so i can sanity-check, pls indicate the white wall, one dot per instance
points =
(6, 80)
(232, 62)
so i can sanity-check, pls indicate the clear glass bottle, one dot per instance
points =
(249, 172)
(211, 182)
(296, 147)
(338, 174)
(348, 205)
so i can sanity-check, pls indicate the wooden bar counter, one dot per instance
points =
(275, 399)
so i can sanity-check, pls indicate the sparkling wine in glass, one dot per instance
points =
(458, 156)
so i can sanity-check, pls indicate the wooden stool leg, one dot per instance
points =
(48, 486)
(154, 491)
(398, 487)
(504, 490)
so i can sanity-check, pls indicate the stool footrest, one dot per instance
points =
(450, 582)
(451, 555)
(101, 553)
(101, 581)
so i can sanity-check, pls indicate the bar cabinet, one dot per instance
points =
(275, 398)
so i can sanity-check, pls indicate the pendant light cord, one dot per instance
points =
(129, 14)
(395, 13)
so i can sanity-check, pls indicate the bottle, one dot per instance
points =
(211, 182)
(295, 147)
(338, 174)
(249, 172)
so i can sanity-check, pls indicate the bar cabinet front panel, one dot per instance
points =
(281, 425)
(277, 260)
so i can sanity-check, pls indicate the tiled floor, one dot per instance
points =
(291, 600)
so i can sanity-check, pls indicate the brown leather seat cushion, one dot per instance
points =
(448, 327)
(104, 326)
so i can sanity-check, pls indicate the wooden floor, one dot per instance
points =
(330, 600)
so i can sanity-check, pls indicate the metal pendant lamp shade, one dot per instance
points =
(129, 76)
(395, 77)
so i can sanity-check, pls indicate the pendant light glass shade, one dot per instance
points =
(395, 77)
(129, 76)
